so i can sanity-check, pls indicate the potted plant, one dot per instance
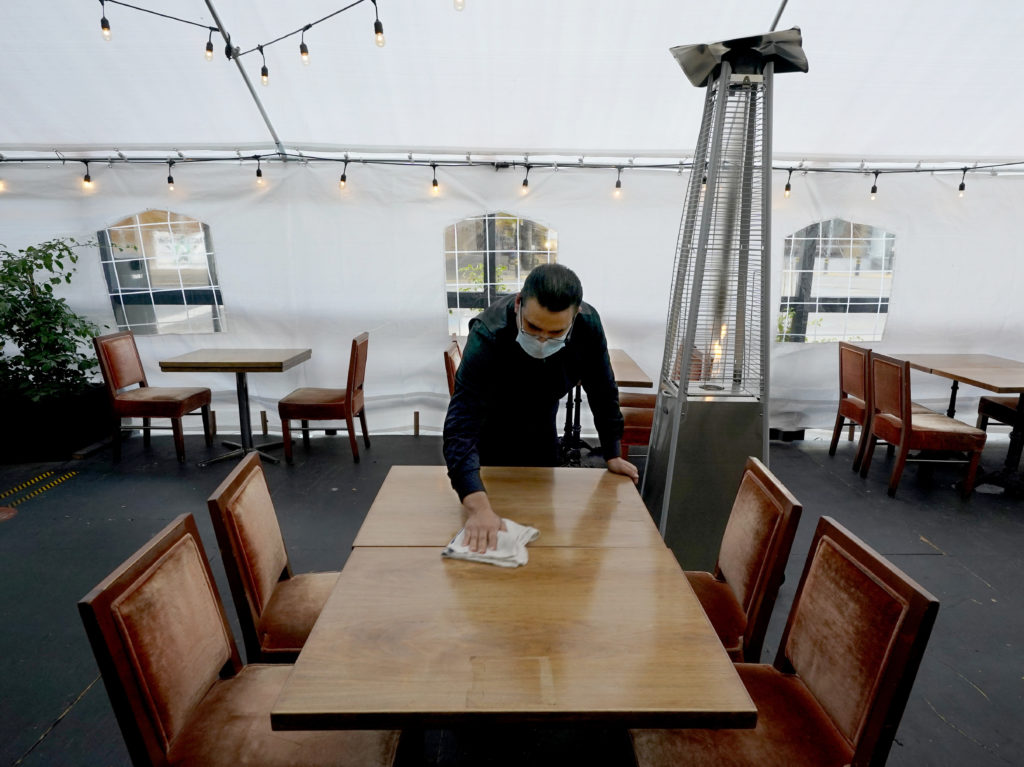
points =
(50, 404)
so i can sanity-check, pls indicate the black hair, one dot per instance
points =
(555, 287)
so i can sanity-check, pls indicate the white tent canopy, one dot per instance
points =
(302, 264)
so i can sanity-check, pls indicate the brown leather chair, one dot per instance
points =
(854, 397)
(310, 404)
(894, 421)
(638, 418)
(1002, 409)
(452, 360)
(175, 680)
(840, 682)
(121, 367)
(738, 598)
(276, 608)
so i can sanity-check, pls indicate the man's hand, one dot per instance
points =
(622, 466)
(482, 524)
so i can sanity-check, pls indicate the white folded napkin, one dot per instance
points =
(511, 550)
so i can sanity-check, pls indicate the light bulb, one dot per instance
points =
(526, 185)
(789, 188)
(874, 191)
(170, 183)
(259, 176)
(378, 33)
(618, 187)
(434, 188)
(105, 28)
(342, 181)
(209, 50)
(304, 53)
(963, 188)
(460, 4)
(265, 75)
(87, 181)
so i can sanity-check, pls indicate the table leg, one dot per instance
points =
(951, 410)
(245, 427)
(1016, 438)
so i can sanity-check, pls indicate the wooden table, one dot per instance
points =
(626, 371)
(416, 506)
(408, 639)
(985, 371)
(240, 362)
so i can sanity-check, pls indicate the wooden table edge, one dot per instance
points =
(739, 720)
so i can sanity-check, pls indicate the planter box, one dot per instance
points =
(51, 430)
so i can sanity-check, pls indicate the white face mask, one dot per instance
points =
(537, 348)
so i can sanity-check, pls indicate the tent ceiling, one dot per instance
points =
(888, 80)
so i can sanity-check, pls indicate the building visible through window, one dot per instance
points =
(487, 257)
(836, 283)
(161, 274)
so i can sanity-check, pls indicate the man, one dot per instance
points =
(524, 353)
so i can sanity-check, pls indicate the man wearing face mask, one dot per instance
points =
(523, 354)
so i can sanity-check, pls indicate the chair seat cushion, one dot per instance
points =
(312, 404)
(292, 610)
(631, 399)
(724, 612)
(1002, 409)
(932, 431)
(637, 425)
(160, 401)
(791, 729)
(853, 408)
(231, 727)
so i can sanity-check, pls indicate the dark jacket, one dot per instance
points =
(504, 409)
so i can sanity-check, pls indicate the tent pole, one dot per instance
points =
(248, 82)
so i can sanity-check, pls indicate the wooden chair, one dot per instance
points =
(854, 397)
(638, 418)
(840, 682)
(121, 367)
(1002, 409)
(452, 360)
(738, 598)
(276, 608)
(894, 421)
(175, 680)
(309, 404)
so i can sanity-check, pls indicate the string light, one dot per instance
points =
(460, 4)
(963, 184)
(264, 72)
(789, 186)
(170, 176)
(104, 24)
(259, 172)
(874, 186)
(209, 46)
(434, 188)
(303, 48)
(618, 183)
(378, 28)
(526, 180)
(86, 179)
(344, 177)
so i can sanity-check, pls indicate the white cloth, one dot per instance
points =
(510, 552)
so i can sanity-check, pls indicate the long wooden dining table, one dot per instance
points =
(600, 625)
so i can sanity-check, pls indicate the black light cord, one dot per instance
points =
(162, 15)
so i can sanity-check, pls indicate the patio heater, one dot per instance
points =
(713, 388)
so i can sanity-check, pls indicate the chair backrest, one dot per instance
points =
(161, 638)
(250, 542)
(755, 548)
(890, 383)
(452, 359)
(855, 636)
(119, 359)
(854, 372)
(357, 371)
